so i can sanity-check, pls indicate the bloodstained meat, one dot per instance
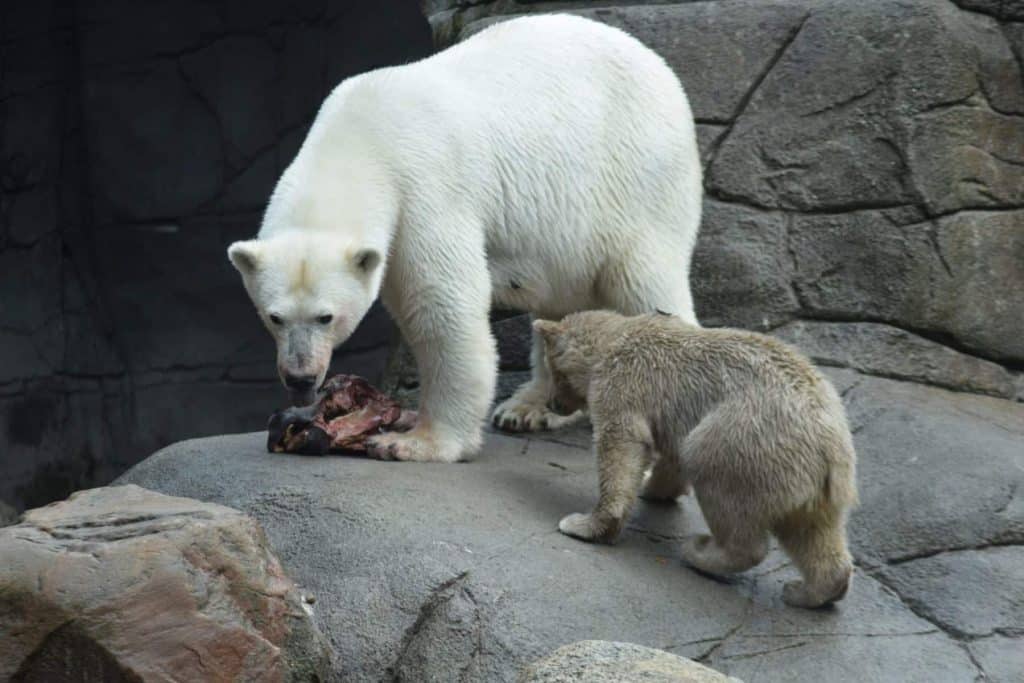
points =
(347, 412)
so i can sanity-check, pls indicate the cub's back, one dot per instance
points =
(717, 361)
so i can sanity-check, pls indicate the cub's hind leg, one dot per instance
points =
(732, 497)
(734, 545)
(666, 481)
(816, 541)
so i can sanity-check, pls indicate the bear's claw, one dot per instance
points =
(517, 416)
(418, 445)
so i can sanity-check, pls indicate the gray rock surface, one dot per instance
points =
(983, 253)
(973, 592)
(742, 270)
(938, 470)
(458, 573)
(124, 584)
(601, 661)
(1001, 657)
(887, 351)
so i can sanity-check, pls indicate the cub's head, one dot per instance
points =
(570, 354)
(311, 291)
(574, 346)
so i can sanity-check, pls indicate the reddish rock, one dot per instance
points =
(124, 584)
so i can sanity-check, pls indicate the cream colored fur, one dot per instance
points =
(745, 420)
(548, 164)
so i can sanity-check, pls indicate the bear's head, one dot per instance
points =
(311, 291)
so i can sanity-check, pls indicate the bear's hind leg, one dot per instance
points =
(647, 280)
(816, 541)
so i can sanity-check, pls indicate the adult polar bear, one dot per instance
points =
(547, 164)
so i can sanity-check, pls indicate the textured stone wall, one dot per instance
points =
(864, 169)
(137, 139)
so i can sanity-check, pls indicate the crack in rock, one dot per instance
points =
(761, 653)
(776, 58)
(924, 554)
(705, 657)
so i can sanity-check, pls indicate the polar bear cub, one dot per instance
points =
(760, 435)
(547, 164)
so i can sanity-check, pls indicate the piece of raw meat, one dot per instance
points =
(348, 411)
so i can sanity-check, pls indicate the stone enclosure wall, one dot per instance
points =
(137, 139)
(864, 170)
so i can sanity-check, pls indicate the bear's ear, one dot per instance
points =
(245, 256)
(366, 259)
(549, 329)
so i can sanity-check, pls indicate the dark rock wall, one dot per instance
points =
(137, 140)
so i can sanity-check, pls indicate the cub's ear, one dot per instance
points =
(245, 256)
(366, 259)
(549, 329)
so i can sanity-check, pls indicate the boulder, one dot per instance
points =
(124, 584)
(600, 661)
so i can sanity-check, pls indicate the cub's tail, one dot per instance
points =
(840, 488)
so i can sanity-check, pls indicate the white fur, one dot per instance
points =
(552, 152)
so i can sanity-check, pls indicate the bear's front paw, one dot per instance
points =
(414, 446)
(588, 528)
(524, 415)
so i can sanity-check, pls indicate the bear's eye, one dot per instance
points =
(325, 319)
(276, 319)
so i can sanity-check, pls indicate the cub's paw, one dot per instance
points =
(415, 446)
(800, 594)
(530, 415)
(588, 528)
(695, 552)
(795, 594)
(578, 525)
